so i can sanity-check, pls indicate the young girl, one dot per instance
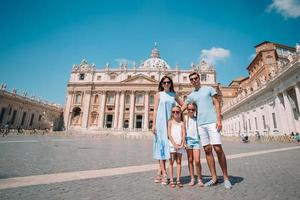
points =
(193, 144)
(176, 134)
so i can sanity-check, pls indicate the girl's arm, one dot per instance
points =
(169, 133)
(183, 134)
(156, 102)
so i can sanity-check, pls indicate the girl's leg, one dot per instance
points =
(191, 165)
(196, 153)
(178, 162)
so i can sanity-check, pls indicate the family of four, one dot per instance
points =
(175, 134)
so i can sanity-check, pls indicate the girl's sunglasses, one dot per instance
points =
(175, 111)
(191, 110)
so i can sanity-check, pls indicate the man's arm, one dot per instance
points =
(218, 111)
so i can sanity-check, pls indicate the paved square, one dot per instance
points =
(44, 167)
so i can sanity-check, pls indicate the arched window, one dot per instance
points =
(78, 98)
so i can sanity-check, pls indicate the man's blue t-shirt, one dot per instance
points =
(206, 112)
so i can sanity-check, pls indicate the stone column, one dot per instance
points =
(102, 109)
(86, 108)
(117, 103)
(289, 113)
(121, 113)
(131, 115)
(278, 113)
(146, 112)
(19, 116)
(297, 91)
(67, 114)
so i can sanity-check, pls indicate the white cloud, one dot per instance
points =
(124, 61)
(252, 56)
(287, 8)
(214, 54)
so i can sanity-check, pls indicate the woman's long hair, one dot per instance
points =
(160, 86)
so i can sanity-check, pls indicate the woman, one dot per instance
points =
(164, 101)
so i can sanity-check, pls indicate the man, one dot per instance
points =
(209, 122)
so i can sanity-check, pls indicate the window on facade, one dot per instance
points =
(129, 76)
(139, 121)
(81, 76)
(150, 124)
(126, 109)
(151, 109)
(151, 100)
(126, 124)
(184, 78)
(203, 77)
(264, 122)
(78, 98)
(139, 99)
(109, 121)
(96, 99)
(127, 100)
(98, 78)
(274, 120)
(113, 77)
(40, 117)
(110, 99)
(153, 77)
(269, 60)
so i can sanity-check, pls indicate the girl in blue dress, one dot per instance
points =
(164, 101)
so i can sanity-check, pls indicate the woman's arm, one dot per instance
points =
(156, 102)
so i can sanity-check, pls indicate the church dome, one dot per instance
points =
(155, 62)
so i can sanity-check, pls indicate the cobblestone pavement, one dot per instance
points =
(266, 176)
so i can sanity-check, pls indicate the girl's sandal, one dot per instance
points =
(172, 184)
(179, 184)
(164, 180)
(200, 183)
(192, 183)
(157, 179)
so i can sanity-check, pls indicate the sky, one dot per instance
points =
(41, 40)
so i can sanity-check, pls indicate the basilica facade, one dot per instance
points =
(122, 98)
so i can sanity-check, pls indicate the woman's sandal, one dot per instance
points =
(172, 184)
(179, 184)
(157, 179)
(192, 182)
(200, 183)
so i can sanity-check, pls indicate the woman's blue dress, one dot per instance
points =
(161, 148)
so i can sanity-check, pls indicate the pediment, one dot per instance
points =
(140, 79)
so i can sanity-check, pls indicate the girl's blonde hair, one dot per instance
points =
(187, 117)
(181, 115)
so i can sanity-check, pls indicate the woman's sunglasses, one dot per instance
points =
(166, 82)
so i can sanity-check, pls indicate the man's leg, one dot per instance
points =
(222, 160)
(211, 162)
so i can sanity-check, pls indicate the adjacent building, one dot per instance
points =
(21, 111)
(267, 101)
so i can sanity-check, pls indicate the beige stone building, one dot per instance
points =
(21, 111)
(122, 98)
(267, 101)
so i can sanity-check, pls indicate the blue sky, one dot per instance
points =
(41, 40)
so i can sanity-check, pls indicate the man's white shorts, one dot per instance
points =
(209, 134)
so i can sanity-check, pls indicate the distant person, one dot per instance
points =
(193, 144)
(209, 121)
(297, 137)
(164, 101)
(176, 134)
